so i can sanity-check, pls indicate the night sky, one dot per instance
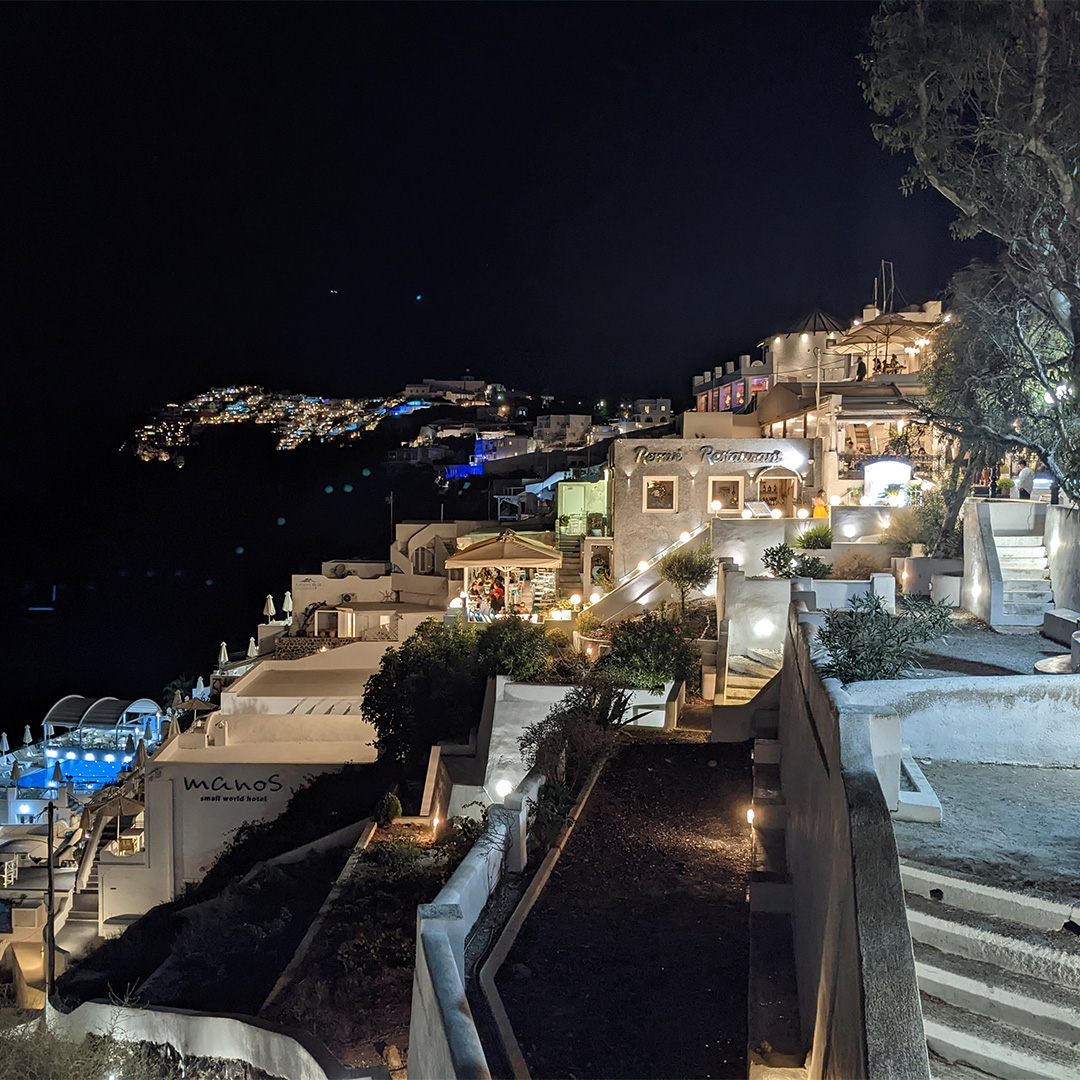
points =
(588, 200)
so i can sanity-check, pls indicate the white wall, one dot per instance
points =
(1014, 719)
(1062, 538)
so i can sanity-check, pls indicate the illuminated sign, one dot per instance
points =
(643, 455)
(746, 457)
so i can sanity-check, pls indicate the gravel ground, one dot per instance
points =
(972, 648)
(633, 962)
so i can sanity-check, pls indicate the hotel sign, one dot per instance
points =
(742, 457)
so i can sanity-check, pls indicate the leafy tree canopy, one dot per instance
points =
(986, 98)
(686, 569)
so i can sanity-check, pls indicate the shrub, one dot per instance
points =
(686, 569)
(903, 530)
(814, 538)
(588, 625)
(854, 566)
(577, 731)
(781, 561)
(387, 809)
(514, 648)
(812, 567)
(648, 651)
(864, 642)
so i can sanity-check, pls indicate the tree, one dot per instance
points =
(986, 98)
(686, 569)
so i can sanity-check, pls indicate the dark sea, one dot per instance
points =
(147, 567)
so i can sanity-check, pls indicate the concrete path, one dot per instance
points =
(1014, 826)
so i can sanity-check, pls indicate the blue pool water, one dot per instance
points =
(84, 773)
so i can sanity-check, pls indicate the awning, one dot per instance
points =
(506, 550)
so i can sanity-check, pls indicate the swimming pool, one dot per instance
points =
(85, 773)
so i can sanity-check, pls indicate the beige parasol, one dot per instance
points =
(506, 550)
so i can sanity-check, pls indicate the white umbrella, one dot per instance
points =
(140, 753)
(268, 608)
(223, 655)
(129, 746)
(57, 774)
(176, 699)
(5, 746)
(286, 604)
(27, 737)
(15, 773)
(253, 649)
(200, 688)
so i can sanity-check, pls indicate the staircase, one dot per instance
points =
(1025, 575)
(80, 931)
(747, 675)
(569, 574)
(774, 1043)
(999, 978)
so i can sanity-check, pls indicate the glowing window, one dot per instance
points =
(728, 490)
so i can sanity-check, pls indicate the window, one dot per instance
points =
(759, 383)
(659, 495)
(740, 392)
(727, 491)
(725, 398)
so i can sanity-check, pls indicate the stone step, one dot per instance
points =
(76, 916)
(744, 682)
(1008, 565)
(999, 1049)
(772, 660)
(1044, 598)
(1032, 611)
(765, 723)
(1024, 573)
(978, 987)
(742, 665)
(1026, 541)
(1041, 954)
(940, 1069)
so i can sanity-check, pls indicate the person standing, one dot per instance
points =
(821, 508)
(1025, 481)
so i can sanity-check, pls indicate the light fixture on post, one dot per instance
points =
(747, 513)
(716, 506)
(594, 598)
(802, 512)
(575, 600)
(775, 513)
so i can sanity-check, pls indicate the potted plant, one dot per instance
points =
(595, 524)
(564, 521)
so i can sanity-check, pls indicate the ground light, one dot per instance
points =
(776, 513)
(802, 512)
(834, 500)
(643, 566)
(684, 536)
(748, 513)
(750, 815)
(575, 599)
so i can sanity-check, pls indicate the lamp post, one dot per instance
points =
(50, 922)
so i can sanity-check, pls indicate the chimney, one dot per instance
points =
(744, 361)
(869, 313)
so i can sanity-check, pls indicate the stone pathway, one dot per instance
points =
(634, 961)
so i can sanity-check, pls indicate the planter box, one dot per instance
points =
(916, 574)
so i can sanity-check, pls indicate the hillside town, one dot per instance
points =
(806, 487)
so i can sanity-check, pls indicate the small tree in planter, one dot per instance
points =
(685, 570)
(648, 651)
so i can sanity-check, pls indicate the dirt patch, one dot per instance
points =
(633, 962)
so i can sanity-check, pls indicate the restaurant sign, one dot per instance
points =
(645, 455)
(743, 457)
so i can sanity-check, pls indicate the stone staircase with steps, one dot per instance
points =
(999, 978)
(746, 675)
(1026, 589)
(774, 1045)
(80, 930)
(568, 576)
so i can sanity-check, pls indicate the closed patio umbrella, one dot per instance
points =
(286, 604)
(176, 699)
(268, 608)
(27, 737)
(140, 753)
(86, 822)
(5, 746)
(223, 655)
(57, 774)
(200, 688)
(129, 746)
(253, 649)
(15, 773)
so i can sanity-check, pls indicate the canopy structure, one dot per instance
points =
(98, 716)
(886, 334)
(505, 551)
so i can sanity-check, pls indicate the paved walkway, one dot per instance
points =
(634, 961)
(1015, 826)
